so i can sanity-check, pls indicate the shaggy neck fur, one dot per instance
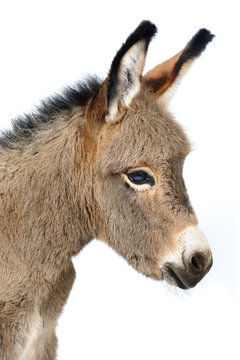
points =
(48, 195)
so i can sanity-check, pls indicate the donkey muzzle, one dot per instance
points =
(187, 276)
(191, 261)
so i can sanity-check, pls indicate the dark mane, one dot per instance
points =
(24, 127)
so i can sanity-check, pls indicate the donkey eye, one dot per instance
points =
(140, 177)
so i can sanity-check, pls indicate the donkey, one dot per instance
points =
(102, 160)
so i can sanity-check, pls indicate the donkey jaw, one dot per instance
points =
(191, 261)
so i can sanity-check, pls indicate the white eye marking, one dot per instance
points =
(139, 179)
(134, 186)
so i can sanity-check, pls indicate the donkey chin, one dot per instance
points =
(190, 262)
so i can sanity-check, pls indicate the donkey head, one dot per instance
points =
(139, 151)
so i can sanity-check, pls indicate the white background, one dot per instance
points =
(113, 312)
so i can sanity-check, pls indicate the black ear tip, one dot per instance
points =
(199, 42)
(145, 30)
(205, 35)
(147, 27)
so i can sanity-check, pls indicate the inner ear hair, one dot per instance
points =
(126, 69)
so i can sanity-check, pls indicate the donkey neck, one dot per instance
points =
(47, 186)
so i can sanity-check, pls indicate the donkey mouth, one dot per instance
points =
(172, 278)
(181, 277)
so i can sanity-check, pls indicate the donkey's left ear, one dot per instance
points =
(162, 79)
(123, 81)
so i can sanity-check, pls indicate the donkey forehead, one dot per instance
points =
(148, 134)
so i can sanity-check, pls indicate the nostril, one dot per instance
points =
(198, 262)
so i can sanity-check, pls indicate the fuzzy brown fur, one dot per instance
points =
(64, 188)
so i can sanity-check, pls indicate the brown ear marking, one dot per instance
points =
(162, 76)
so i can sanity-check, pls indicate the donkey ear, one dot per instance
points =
(123, 81)
(162, 78)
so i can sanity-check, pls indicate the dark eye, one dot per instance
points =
(140, 177)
